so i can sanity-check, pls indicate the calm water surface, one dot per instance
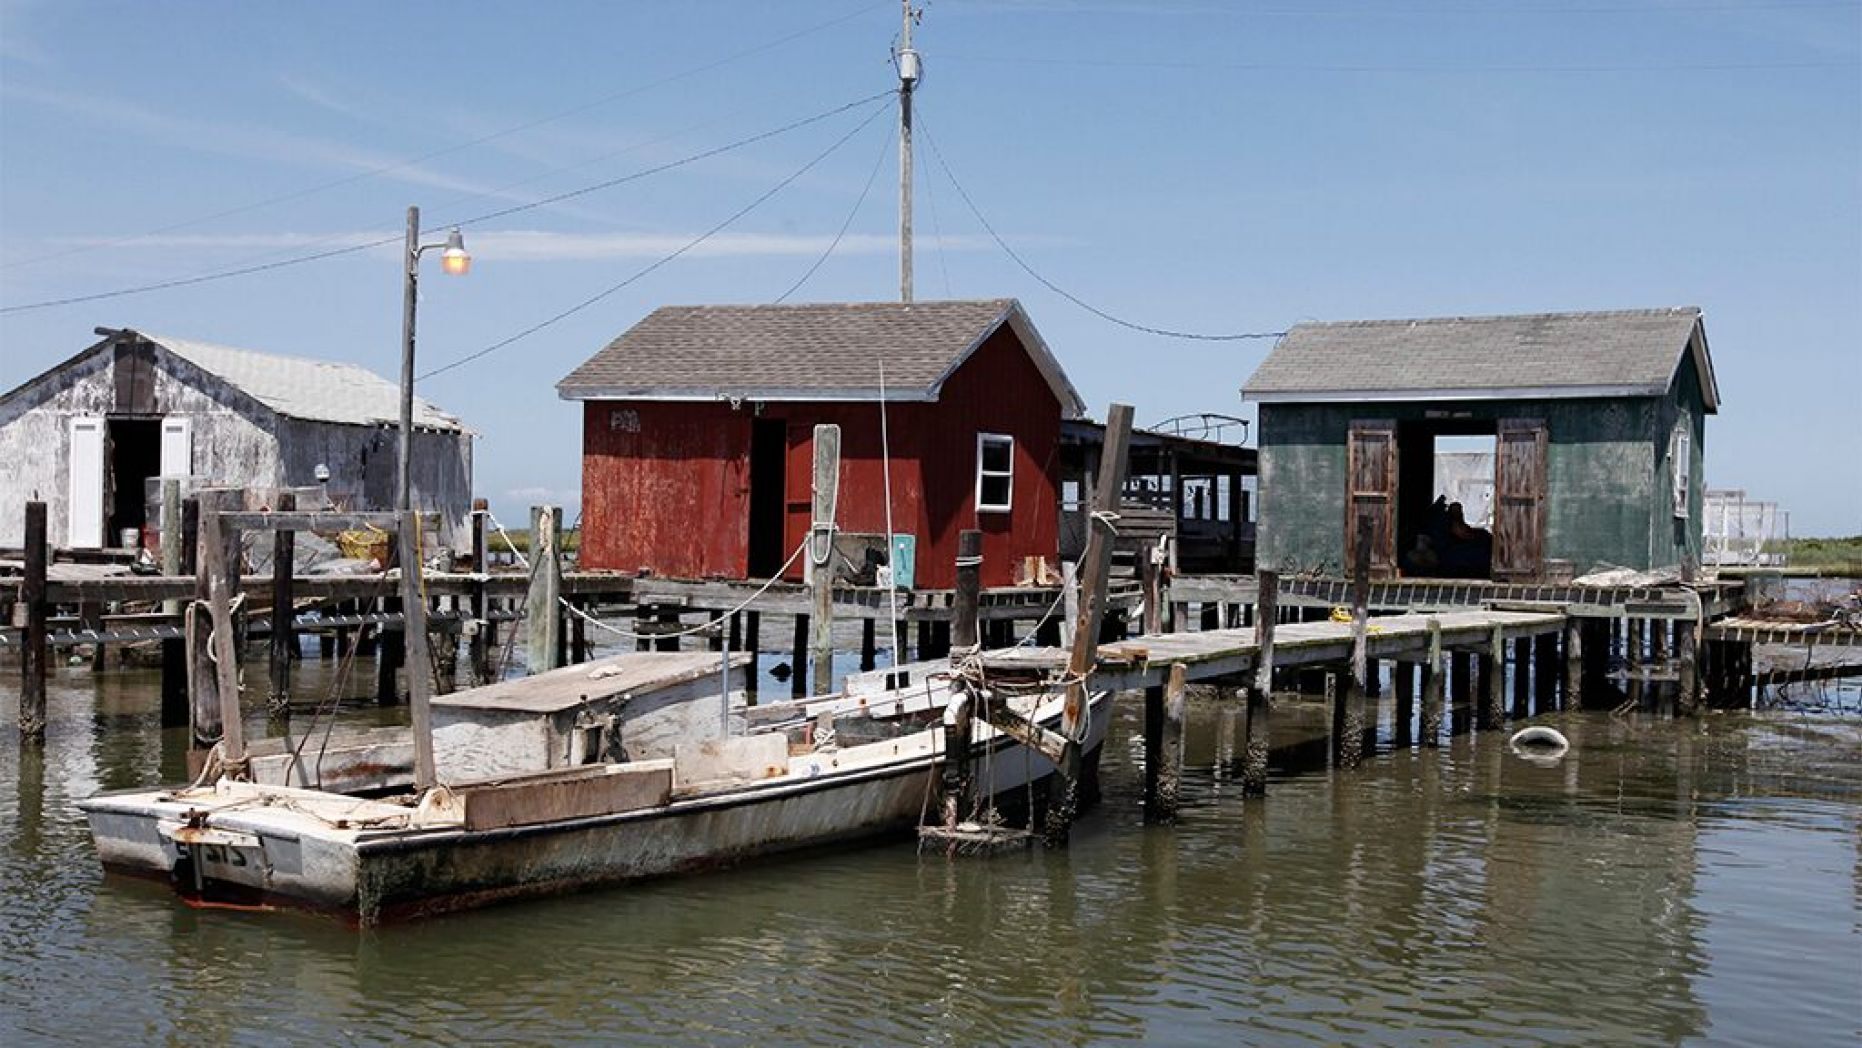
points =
(1667, 883)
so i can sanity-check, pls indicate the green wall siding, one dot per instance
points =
(1608, 498)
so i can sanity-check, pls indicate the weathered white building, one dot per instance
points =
(87, 436)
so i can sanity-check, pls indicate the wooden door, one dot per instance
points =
(1519, 500)
(84, 517)
(1371, 482)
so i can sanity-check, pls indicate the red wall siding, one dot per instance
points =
(673, 497)
(671, 494)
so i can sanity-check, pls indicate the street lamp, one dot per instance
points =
(455, 261)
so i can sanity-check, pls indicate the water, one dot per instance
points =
(1691, 882)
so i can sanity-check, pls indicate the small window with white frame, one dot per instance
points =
(995, 472)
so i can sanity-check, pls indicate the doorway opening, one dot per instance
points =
(769, 453)
(134, 454)
(1445, 498)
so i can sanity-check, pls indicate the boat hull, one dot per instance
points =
(270, 855)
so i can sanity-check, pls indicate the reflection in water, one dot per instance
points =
(1666, 882)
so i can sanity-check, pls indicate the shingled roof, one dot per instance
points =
(829, 351)
(1613, 354)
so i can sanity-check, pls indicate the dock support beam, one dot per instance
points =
(1545, 673)
(1348, 719)
(1574, 664)
(1403, 682)
(826, 484)
(1256, 725)
(284, 633)
(177, 541)
(1687, 653)
(32, 659)
(1431, 730)
(965, 633)
(1163, 746)
(543, 621)
(1493, 681)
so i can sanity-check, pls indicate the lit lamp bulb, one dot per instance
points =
(455, 260)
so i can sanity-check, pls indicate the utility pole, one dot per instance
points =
(908, 80)
(411, 295)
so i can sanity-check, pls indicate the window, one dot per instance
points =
(1681, 465)
(995, 472)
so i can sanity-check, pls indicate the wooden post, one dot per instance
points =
(669, 623)
(174, 650)
(1687, 653)
(1493, 687)
(414, 632)
(798, 681)
(544, 624)
(1545, 673)
(1403, 682)
(203, 688)
(1522, 677)
(1461, 697)
(1095, 564)
(1574, 664)
(481, 632)
(1257, 723)
(1150, 579)
(869, 643)
(751, 645)
(826, 489)
(1633, 664)
(578, 638)
(32, 662)
(1349, 721)
(284, 636)
(225, 654)
(1163, 746)
(390, 654)
(965, 633)
(1431, 730)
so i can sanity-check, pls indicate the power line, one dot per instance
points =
(884, 148)
(223, 274)
(1063, 292)
(663, 260)
(399, 165)
(1308, 67)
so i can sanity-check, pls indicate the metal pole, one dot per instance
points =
(908, 79)
(411, 260)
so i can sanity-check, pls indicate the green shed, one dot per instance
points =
(1584, 417)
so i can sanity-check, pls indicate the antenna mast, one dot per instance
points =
(908, 79)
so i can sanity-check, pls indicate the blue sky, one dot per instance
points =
(1210, 167)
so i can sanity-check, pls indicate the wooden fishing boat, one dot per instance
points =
(640, 765)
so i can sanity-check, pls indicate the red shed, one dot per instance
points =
(698, 435)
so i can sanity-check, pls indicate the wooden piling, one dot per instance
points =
(965, 634)
(825, 486)
(32, 663)
(578, 635)
(390, 656)
(1574, 665)
(1545, 673)
(1150, 580)
(1403, 682)
(542, 618)
(1493, 682)
(1687, 654)
(203, 691)
(1461, 698)
(752, 646)
(481, 632)
(1163, 746)
(869, 644)
(414, 636)
(1257, 725)
(1348, 715)
(221, 573)
(1522, 678)
(798, 658)
(284, 632)
(175, 561)
(1431, 729)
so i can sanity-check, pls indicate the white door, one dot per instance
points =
(177, 446)
(85, 511)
